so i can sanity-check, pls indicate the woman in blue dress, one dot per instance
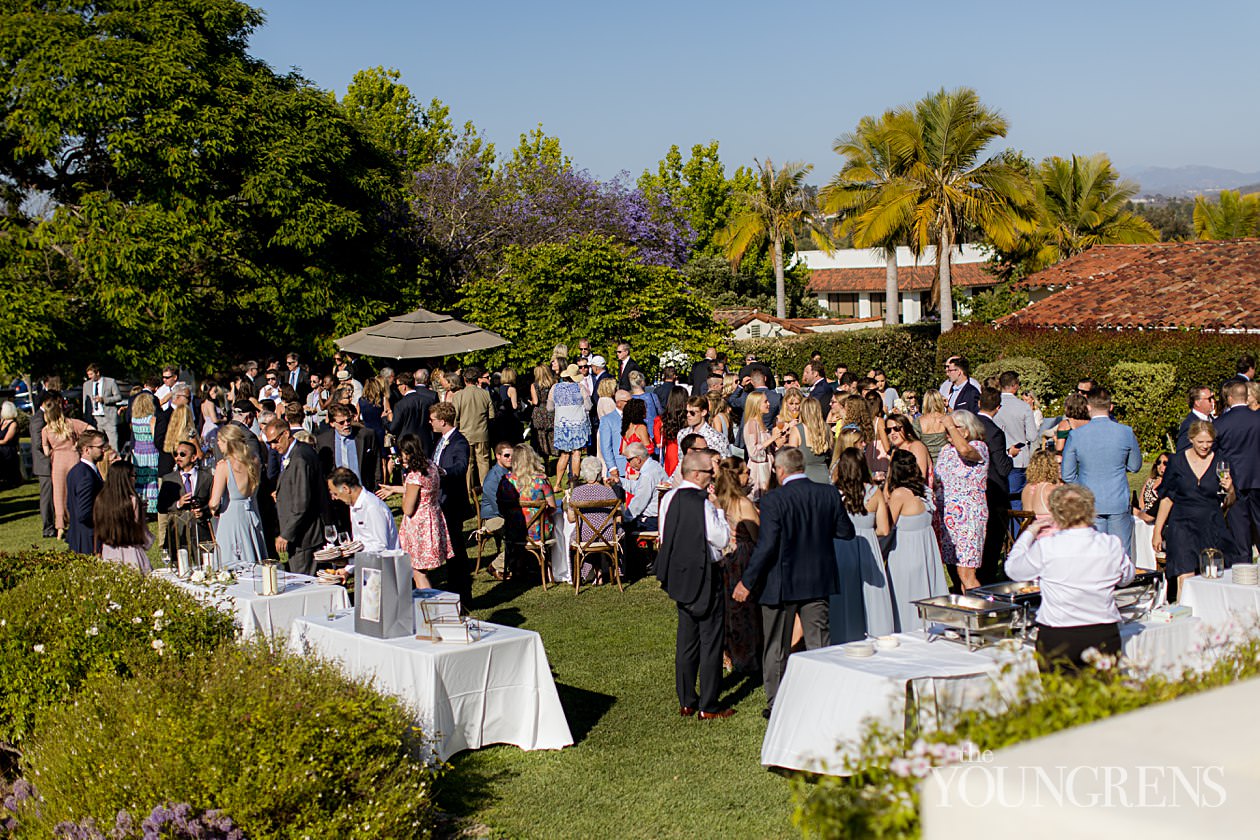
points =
(1190, 518)
(571, 404)
(240, 532)
(864, 604)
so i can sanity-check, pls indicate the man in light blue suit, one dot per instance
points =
(1097, 455)
(610, 438)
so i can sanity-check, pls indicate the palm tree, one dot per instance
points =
(1232, 217)
(869, 168)
(943, 185)
(1080, 204)
(774, 210)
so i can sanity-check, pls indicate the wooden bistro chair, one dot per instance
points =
(1019, 520)
(602, 540)
(536, 514)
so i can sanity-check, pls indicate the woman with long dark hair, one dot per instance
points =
(118, 514)
(860, 560)
(634, 427)
(742, 634)
(914, 563)
(669, 424)
(422, 532)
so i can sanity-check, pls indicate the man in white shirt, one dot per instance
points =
(641, 510)
(692, 541)
(371, 522)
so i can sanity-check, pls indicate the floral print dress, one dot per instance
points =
(423, 535)
(961, 502)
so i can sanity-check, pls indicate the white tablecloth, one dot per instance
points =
(271, 615)
(1215, 601)
(561, 567)
(826, 697)
(497, 690)
(1143, 551)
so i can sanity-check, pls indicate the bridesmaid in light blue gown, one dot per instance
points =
(914, 562)
(865, 600)
(240, 533)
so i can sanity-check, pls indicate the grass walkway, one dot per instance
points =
(636, 770)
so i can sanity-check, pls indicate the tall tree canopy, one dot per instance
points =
(1231, 216)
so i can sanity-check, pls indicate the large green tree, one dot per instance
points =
(179, 200)
(1081, 202)
(945, 184)
(870, 166)
(1231, 216)
(385, 110)
(588, 286)
(772, 211)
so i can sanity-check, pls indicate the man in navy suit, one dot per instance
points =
(1097, 455)
(451, 454)
(1202, 402)
(1238, 444)
(962, 393)
(820, 389)
(997, 491)
(793, 568)
(82, 484)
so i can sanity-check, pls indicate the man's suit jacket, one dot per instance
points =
(1097, 456)
(171, 490)
(822, 391)
(82, 485)
(110, 399)
(473, 410)
(610, 442)
(968, 398)
(427, 398)
(299, 499)
(683, 565)
(367, 447)
(997, 490)
(1238, 442)
(795, 558)
(623, 378)
(1183, 431)
(41, 465)
(700, 376)
(407, 416)
(454, 464)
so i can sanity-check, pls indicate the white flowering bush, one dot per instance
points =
(80, 618)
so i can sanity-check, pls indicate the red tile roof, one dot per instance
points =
(737, 317)
(909, 278)
(1196, 285)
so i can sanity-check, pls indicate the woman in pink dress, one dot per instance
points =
(59, 440)
(422, 532)
(962, 469)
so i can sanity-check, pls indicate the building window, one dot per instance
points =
(754, 330)
(843, 304)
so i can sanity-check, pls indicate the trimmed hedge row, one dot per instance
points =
(906, 353)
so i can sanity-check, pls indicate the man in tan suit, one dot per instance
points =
(473, 411)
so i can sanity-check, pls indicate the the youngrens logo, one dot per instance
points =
(979, 783)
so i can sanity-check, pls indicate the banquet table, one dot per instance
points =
(496, 690)
(1215, 601)
(826, 697)
(269, 615)
(561, 568)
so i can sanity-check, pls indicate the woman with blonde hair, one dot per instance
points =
(240, 532)
(59, 441)
(790, 415)
(741, 644)
(10, 460)
(606, 390)
(181, 428)
(719, 413)
(1043, 476)
(759, 443)
(931, 423)
(542, 419)
(814, 439)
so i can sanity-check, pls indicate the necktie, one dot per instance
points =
(187, 483)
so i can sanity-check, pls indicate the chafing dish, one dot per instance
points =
(977, 620)
(1023, 592)
(1146, 592)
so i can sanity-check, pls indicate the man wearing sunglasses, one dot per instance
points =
(300, 494)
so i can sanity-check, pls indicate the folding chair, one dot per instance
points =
(604, 539)
(536, 514)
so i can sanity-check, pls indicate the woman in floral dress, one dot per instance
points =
(571, 405)
(961, 472)
(422, 532)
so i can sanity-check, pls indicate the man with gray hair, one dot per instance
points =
(609, 435)
(643, 477)
(792, 571)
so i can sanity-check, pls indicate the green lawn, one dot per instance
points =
(636, 770)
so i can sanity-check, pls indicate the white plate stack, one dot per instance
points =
(861, 650)
(1246, 574)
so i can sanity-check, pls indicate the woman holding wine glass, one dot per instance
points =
(1191, 508)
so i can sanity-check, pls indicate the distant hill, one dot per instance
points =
(1250, 188)
(1190, 180)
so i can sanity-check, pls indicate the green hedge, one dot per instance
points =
(76, 618)
(1148, 401)
(1034, 375)
(907, 354)
(17, 566)
(285, 746)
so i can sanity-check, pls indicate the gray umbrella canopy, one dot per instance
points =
(419, 335)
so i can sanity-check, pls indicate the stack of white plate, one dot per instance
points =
(1246, 574)
(859, 649)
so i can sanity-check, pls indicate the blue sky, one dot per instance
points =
(1151, 83)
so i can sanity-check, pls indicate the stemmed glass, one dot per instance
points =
(1222, 472)
(330, 535)
(343, 538)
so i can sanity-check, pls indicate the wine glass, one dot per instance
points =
(343, 537)
(330, 534)
(166, 558)
(1222, 472)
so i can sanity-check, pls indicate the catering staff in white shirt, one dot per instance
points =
(371, 521)
(1079, 569)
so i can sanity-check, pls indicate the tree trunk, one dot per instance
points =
(947, 292)
(780, 291)
(891, 296)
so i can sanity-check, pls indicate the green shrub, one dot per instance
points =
(284, 746)
(1034, 374)
(17, 566)
(1145, 398)
(907, 354)
(85, 618)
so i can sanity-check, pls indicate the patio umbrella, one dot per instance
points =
(420, 335)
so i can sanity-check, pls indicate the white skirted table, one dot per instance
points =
(1215, 601)
(826, 697)
(561, 568)
(270, 615)
(496, 690)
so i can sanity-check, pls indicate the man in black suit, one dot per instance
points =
(997, 489)
(299, 498)
(184, 497)
(428, 398)
(296, 376)
(411, 412)
(451, 453)
(815, 376)
(962, 394)
(1238, 444)
(343, 444)
(1202, 402)
(793, 568)
(625, 365)
(669, 381)
(694, 533)
(82, 484)
(700, 371)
